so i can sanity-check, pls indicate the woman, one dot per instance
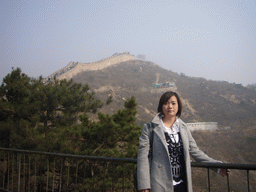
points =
(169, 167)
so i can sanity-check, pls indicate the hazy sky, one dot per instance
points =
(214, 39)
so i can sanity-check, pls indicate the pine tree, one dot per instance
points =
(112, 136)
(27, 102)
(61, 101)
(17, 108)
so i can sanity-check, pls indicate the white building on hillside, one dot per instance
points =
(206, 126)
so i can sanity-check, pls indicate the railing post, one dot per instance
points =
(112, 184)
(12, 170)
(92, 174)
(134, 168)
(77, 164)
(24, 171)
(29, 179)
(84, 173)
(209, 183)
(4, 172)
(228, 183)
(3, 169)
(19, 162)
(40, 174)
(53, 175)
(123, 178)
(104, 178)
(248, 180)
(47, 179)
(68, 173)
(61, 165)
(35, 176)
(8, 169)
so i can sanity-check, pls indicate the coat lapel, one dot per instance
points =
(184, 139)
(160, 135)
(159, 132)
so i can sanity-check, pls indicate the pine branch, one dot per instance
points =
(98, 148)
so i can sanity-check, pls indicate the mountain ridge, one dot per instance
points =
(203, 101)
(74, 68)
(128, 77)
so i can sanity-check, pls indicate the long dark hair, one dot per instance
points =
(165, 97)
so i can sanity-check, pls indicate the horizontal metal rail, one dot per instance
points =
(225, 166)
(125, 160)
(25, 170)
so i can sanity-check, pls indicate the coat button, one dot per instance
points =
(159, 166)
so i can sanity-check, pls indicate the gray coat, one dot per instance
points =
(159, 178)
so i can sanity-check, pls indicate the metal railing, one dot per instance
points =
(24, 170)
(246, 167)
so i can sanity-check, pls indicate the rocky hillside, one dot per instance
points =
(228, 104)
(231, 105)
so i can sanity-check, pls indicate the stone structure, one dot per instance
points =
(162, 90)
(73, 68)
(203, 126)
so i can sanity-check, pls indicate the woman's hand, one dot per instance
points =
(224, 172)
(144, 190)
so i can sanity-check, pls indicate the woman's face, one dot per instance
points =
(171, 107)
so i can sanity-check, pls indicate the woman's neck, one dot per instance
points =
(169, 121)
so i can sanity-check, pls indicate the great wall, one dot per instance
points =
(74, 68)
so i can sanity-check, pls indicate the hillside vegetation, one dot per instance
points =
(229, 104)
(204, 100)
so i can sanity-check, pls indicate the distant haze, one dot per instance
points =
(211, 39)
